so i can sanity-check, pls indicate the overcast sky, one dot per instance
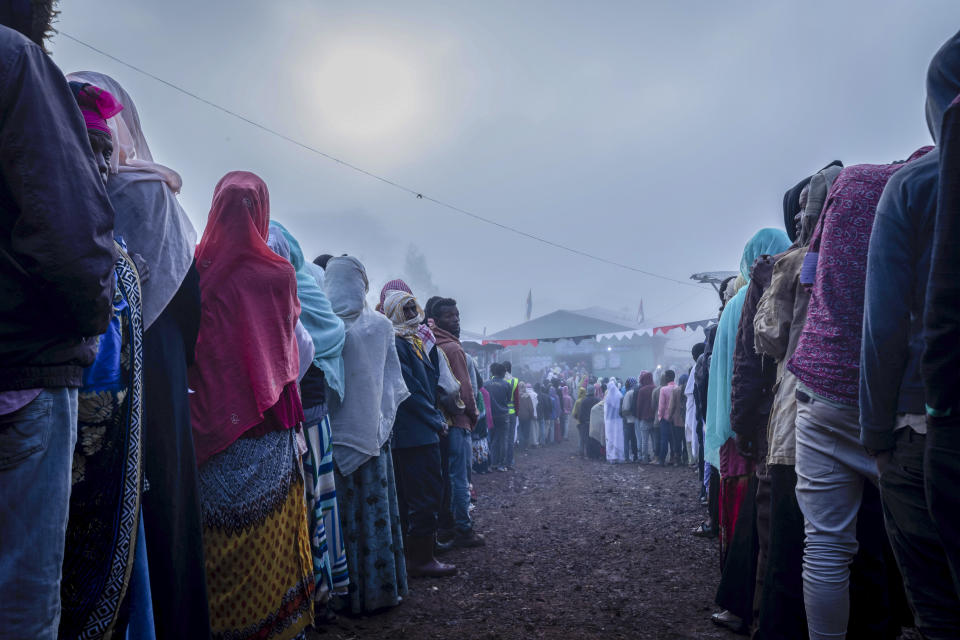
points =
(657, 134)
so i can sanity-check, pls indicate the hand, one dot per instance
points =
(745, 446)
(143, 269)
(884, 460)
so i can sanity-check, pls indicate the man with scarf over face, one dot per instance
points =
(416, 438)
(892, 421)
(56, 274)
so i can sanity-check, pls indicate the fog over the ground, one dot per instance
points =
(656, 134)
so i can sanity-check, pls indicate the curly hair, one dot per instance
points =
(43, 14)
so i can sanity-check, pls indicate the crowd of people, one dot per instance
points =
(827, 397)
(215, 438)
(219, 437)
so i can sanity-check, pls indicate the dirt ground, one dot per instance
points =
(575, 549)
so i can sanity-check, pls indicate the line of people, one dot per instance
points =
(829, 407)
(201, 439)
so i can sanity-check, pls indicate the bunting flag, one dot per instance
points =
(623, 335)
(663, 330)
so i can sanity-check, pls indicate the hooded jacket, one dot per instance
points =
(942, 318)
(644, 396)
(897, 273)
(779, 322)
(754, 374)
(56, 225)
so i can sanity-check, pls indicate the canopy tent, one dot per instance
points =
(561, 325)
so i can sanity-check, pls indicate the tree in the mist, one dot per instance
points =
(418, 276)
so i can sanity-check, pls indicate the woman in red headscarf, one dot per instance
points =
(244, 410)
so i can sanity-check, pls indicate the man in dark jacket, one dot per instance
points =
(501, 393)
(56, 291)
(941, 368)
(416, 439)
(892, 420)
(583, 416)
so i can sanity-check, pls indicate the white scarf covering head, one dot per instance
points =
(148, 216)
(373, 387)
(393, 307)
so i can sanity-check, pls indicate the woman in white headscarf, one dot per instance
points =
(361, 424)
(154, 227)
(613, 422)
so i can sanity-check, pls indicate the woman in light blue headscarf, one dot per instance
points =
(325, 375)
(717, 431)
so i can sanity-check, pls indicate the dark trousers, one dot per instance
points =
(941, 465)
(916, 544)
(525, 432)
(763, 533)
(700, 459)
(583, 428)
(419, 488)
(739, 577)
(655, 439)
(629, 440)
(678, 444)
(446, 504)
(510, 441)
(877, 600)
(666, 430)
(782, 614)
(713, 499)
(498, 441)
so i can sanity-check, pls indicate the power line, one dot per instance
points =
(419, 194)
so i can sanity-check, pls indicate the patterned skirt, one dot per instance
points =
(107, 473)
(256, 546)
(371, 529)
(330, 573)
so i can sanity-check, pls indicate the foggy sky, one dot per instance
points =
(657, 134)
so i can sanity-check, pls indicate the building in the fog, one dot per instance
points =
(624, 348)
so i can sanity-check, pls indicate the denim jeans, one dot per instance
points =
(36, 459)
(916, 545)
(645, 445)
(461, 455)
(832, 466)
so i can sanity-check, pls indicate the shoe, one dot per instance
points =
(445, 536)
(469, 540)
(420, 560)
(442, 547)
(728, 620)
(705, 531)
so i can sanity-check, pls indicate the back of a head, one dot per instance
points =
(32, 18)
(497, 370)
(698, 350)
(943, 82)
(668, 376)
(437, 304)
(508, 367)
(322, 260)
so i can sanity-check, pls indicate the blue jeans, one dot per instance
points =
(461, 455)
(36, 460)
(832, 467)
(665, 427)
(644, 427)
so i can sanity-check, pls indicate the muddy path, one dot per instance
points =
(575, 549)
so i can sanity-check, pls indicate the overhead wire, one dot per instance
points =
(418, 194)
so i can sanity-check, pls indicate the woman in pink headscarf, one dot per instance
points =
(244, 411)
